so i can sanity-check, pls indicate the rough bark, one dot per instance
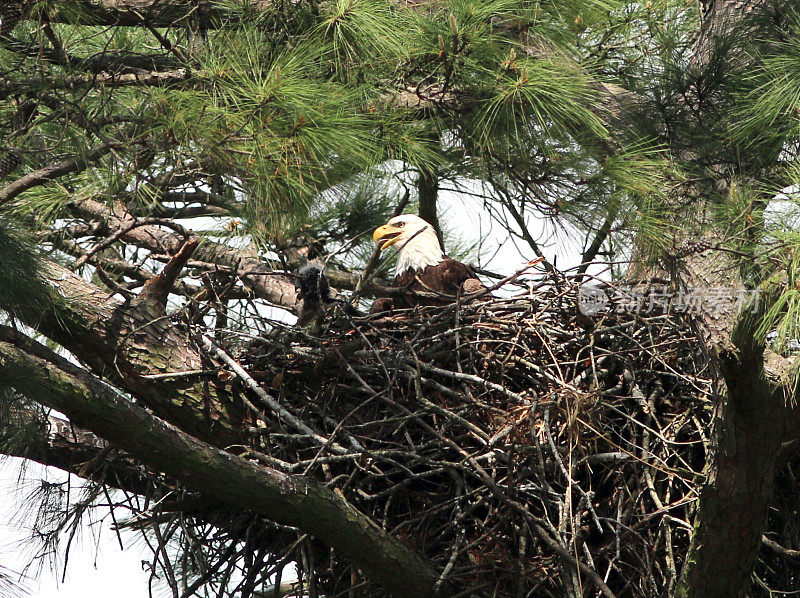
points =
(750, 432)
(128, 344)
(428, 191)
(737, 493)
(287, 499)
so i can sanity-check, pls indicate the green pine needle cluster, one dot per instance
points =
(22, 287)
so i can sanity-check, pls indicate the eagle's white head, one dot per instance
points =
(418, 246)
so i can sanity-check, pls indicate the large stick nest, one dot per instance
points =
(515, 447)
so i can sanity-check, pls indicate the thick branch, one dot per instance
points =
(157, 289)
(8, 88)
(58, 443)
(128, 343)
(290, 500)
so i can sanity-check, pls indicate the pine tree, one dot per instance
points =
(662, 132)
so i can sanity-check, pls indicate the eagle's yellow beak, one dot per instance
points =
(385, 235)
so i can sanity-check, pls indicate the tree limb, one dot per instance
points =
(56, 442)
(8, 88)
(125, 344)
(48, 173)
(291, 500)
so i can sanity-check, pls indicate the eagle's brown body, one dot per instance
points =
(444, 279)
(425, 274)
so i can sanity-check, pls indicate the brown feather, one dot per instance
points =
(445, 278)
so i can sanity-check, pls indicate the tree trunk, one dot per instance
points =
(428, 190)
(738, 491)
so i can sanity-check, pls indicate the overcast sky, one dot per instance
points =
(95, 569)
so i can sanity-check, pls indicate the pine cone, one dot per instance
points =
(9, 163)
(11, 13)
(143, 155)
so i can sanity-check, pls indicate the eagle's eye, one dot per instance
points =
(400, 225)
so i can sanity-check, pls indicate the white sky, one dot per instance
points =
(99, 569)
(95, 569)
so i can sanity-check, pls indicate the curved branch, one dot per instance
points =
(128, 343)
(291, 500)
(48, 173)
(109, 79)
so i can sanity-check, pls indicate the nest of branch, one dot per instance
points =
(513, 448)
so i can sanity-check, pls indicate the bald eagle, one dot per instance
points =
(422, 266)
